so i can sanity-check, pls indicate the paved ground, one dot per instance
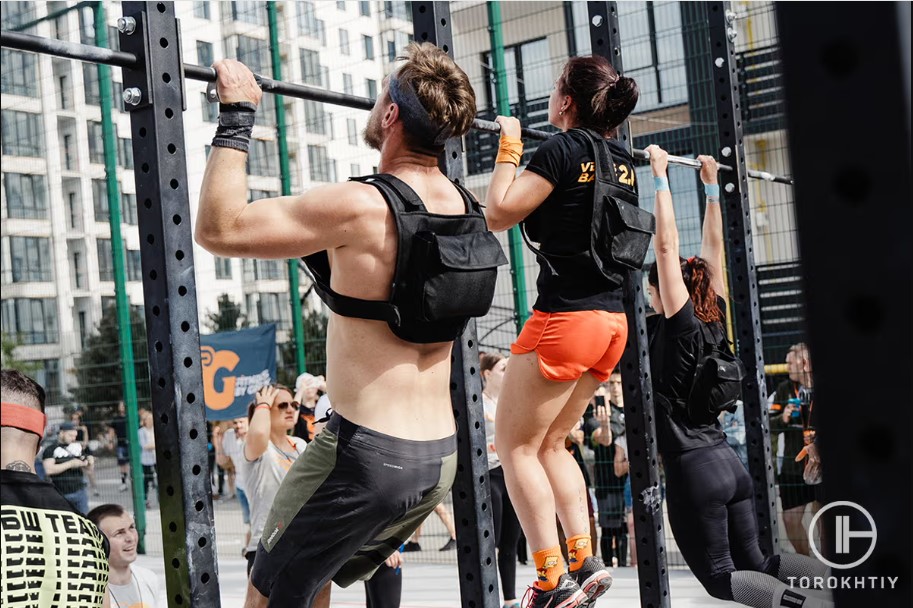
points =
(436, 586)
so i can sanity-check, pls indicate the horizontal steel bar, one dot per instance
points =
(94, 54)
(70, 50)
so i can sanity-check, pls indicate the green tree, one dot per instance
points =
(98, 368)
(226, 317)
(11, 361)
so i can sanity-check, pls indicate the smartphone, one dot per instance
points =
(600, 400)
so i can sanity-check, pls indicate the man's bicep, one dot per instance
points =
(295, 226)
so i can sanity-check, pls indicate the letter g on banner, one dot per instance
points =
(213, 362)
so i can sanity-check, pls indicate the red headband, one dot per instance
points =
(22, 418)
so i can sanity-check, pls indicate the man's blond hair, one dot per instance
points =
(441, 86)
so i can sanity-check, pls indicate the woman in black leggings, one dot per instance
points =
(708, 491)
(507, 526)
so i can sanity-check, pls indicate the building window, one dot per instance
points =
(274, 308)
(26, 196)
(210, 110)
(530, 72)
(249, 12)
(90, 85)
(364, 8)
(19, 75)
(371, 88)
(96, 142)
(205, 55)
(368, 43)
(316, 118)
(134, 265)
(48, 377)
(17, 14)
(100, 200)
(125, 152)
(347, 87)
(391, 51)
(201, 10)
(223, 268)
(105, 260)
(23, 133)
(128, 206)
(31, 320)
(259, 157)
(352, 131)
(31, 259)
(398, 10)
(64, 91)
(312, 72)
(354, 170)
(344, 47)
(308, 23)
(322, 168)
(341, 5)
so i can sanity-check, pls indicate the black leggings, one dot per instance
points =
(507, 533)
(711, 511)
(385, 588)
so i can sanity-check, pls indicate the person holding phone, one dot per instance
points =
(791, 420)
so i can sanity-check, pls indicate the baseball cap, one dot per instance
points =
(67, 426)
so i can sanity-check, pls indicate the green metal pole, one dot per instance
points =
(286, 180)
(514, 239)
(128, 370)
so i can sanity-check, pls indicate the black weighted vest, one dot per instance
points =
(446, 268)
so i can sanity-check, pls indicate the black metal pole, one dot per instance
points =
(649, 528)
(858, 289)
(169, 288)
(471, 491)
(743, 281)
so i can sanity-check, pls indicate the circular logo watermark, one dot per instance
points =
(845, 552)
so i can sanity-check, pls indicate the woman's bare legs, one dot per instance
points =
(534, 417)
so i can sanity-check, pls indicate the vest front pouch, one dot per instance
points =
(455, 276)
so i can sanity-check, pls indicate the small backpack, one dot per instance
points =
(620, 232)
(445, 274)
(717, 383)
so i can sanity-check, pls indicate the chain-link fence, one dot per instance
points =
(57, 262)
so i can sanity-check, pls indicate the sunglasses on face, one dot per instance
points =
(293, 404)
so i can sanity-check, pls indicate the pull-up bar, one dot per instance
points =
(94, 54)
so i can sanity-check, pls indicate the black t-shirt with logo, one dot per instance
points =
(675, 344)
(71, 480)
(561, 224)
(52, 556)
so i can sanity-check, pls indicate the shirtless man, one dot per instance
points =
(390, 445)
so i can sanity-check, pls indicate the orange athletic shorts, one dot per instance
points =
(571, 343)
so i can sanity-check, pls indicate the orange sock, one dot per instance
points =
(549, 568)
(579, 548)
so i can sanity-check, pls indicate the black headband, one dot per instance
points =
(414, 116)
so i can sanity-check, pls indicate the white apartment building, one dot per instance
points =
(57, 274)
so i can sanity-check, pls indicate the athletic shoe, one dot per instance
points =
(451, 544)
(123, 487)
(411, 546)
(594, 579)
(566, 595)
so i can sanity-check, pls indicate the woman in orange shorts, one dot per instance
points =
(578, 329)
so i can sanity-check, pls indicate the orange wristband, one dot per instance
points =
(510, 150)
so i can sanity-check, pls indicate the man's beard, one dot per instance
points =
(373, 133)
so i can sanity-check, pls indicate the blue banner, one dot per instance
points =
(236, 364)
